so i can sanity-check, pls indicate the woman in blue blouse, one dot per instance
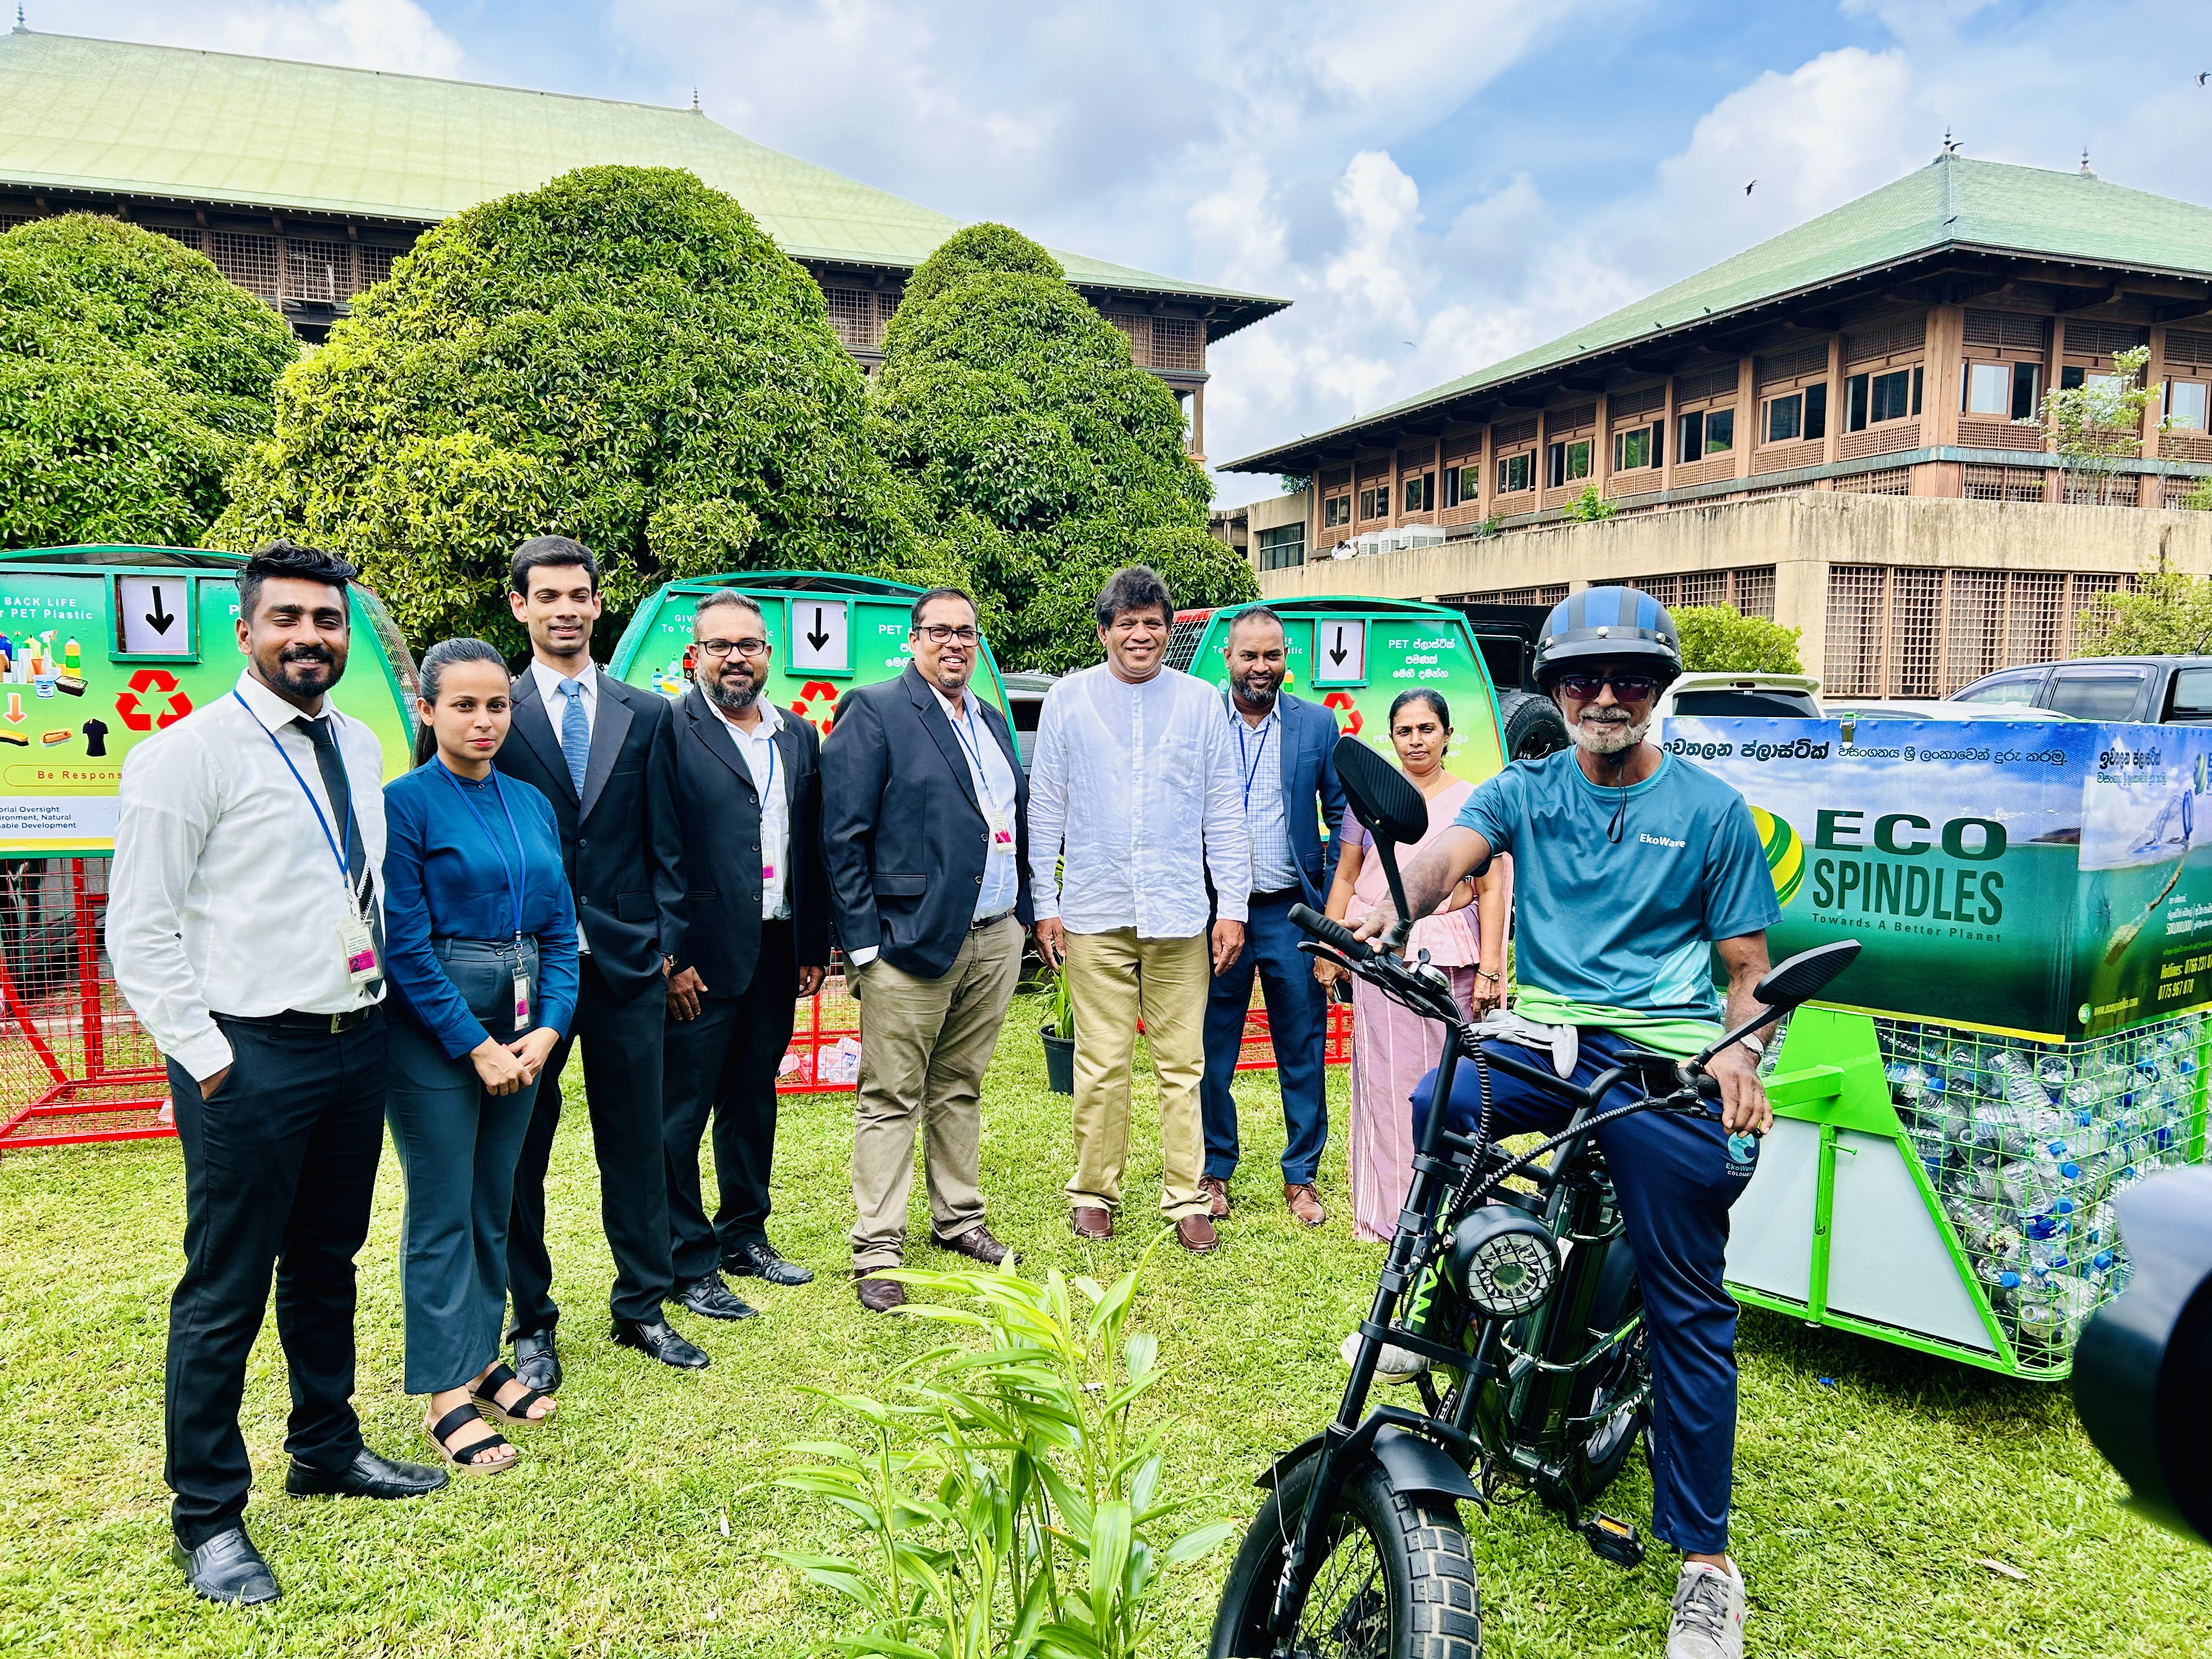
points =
(480, 942)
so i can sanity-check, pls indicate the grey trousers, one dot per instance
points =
(459, 1146)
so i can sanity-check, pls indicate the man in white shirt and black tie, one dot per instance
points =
(244, 920)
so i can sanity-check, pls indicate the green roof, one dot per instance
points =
(1952, 204)
(215, 127)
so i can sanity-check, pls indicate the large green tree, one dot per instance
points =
(624, 356)
(1034, 457)
(132, 376)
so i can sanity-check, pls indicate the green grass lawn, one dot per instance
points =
(1870, 1481)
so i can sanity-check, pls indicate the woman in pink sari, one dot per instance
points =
(1392, 1049)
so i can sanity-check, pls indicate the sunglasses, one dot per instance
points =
(1628, 688)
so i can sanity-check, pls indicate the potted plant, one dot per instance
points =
(1059, 1034)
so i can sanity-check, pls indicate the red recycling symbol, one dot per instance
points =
(804, 707)
(151, 679)
(1343, 701)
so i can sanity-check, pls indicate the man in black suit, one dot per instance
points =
(757, 938)
(604, 755)
(926, 834)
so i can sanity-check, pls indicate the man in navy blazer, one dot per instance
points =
(1287, 768)
(925, 834)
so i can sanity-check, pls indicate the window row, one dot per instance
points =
(1281, 546)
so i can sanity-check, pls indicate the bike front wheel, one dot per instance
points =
(1396, 1581)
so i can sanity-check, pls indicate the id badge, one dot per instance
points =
(358, 946)
(1002, 826)
(521, 1000)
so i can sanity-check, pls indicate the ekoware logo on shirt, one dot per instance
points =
(1661, 841)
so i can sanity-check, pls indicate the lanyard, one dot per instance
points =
(1252, 769)
(513, 885)
(964, 729)
(345, 874)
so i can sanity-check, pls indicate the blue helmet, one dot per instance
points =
(1608, 624)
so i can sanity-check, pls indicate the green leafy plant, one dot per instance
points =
(1004, 1498)
(2169, 613)
(1718, 637)
(2097, 425)
(1059, 1005)
(621, 356)
(1032, 455)
(1590, 507)
(132, 376)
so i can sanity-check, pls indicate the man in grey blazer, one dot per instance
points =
(1286, 752)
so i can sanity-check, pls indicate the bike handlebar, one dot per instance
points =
(1331, 932)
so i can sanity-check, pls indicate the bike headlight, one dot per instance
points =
(1503, 1262)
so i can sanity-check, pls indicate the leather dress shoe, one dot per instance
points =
(536, 1362)
(1196, 1234)
(366, 1476)
(1091, 1222)
(877, 1295)
(658, 1340)
(977, 1244)
(1217, 1195)
(1304, 1203)
(756, 1259)
(710, 1298)
(227, 1568)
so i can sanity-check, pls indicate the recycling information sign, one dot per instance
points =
(96, 659)
(2051, 880)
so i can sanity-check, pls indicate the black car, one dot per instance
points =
(2151, 691)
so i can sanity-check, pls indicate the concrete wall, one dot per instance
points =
(1800, 535)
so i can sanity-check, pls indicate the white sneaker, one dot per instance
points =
(1708, 1613)
(1394, 1364)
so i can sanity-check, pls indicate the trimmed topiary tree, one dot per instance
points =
(132, 377)
(622, 356)
(1034, 457)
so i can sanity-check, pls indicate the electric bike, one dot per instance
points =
(1509, 1275)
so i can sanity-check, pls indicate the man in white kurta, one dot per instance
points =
(1133, 804)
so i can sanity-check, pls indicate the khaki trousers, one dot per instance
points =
(1115, 979)
(925, 1044)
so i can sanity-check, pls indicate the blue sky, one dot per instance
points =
(1436, 183)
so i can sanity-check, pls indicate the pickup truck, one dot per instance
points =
(2151, 691)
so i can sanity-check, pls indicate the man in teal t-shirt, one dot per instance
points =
(1632, 868)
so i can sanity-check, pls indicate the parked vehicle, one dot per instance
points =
(2155, 690)
(1024, 702)
(1938, 709)
(1742, 695)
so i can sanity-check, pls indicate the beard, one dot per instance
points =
(1609, 737)
(728, 691)
(303, 671)
(1257, 690)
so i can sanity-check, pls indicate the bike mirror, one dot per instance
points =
(1805, 974)
(2143, 1363)
(1383, 798)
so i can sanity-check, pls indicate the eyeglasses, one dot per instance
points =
(945, 633)
(1629, 688)
(749, 647)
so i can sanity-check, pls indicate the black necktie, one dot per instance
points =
(323, 733)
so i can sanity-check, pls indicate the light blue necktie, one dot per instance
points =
(576, 734)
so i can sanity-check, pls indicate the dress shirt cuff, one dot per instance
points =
(204, 1053)
(863, 956)
(1043, 906)
(1227, 908)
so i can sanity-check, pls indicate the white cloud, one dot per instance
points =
(385, 34)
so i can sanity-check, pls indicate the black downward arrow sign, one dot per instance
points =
(1338, 654)
(159, 617)
(820, 636)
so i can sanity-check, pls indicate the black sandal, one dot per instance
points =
(468, 1459)
(497, 1378)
